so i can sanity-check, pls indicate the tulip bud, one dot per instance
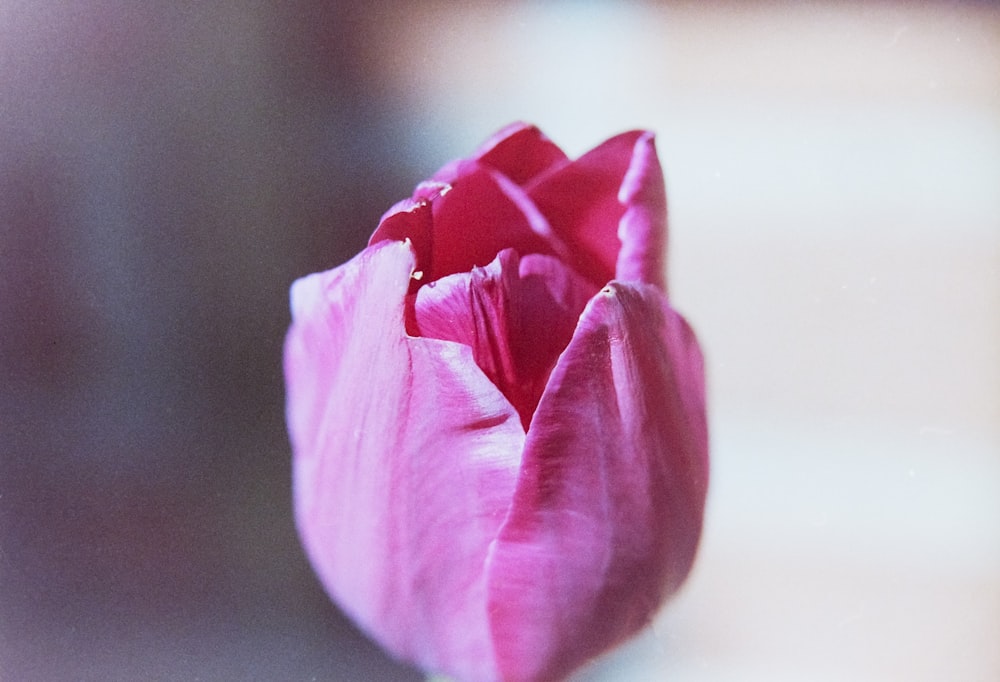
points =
(497, 418)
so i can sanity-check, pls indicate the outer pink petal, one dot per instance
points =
(520, 151)
(608, 508)
(405, 463)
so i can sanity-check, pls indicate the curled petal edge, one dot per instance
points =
(642, 228)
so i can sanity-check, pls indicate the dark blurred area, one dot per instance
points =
(167, 169)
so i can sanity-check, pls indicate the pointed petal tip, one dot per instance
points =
(642, 229)
(522, 152)
(644, 169)
(508, 131)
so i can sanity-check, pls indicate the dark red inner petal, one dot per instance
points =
(524, 154)
(474, 221)
(454, 228)
(580, 202)
(517, 314)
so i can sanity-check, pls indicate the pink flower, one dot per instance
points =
(498, 421)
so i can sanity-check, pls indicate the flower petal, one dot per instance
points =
(462, 239)
(405, 462)
(520, 151)
(607, 512)
(411, 219)
(454, 236)
(517, 315)
(580, 201)
(642, 229)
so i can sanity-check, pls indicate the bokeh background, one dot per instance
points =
(168, 168)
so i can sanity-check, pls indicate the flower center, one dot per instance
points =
(517, 314)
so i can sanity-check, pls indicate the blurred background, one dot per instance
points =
(167, 169)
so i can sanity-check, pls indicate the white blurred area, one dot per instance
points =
(833, 175)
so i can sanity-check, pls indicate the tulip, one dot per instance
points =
(497, 418)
